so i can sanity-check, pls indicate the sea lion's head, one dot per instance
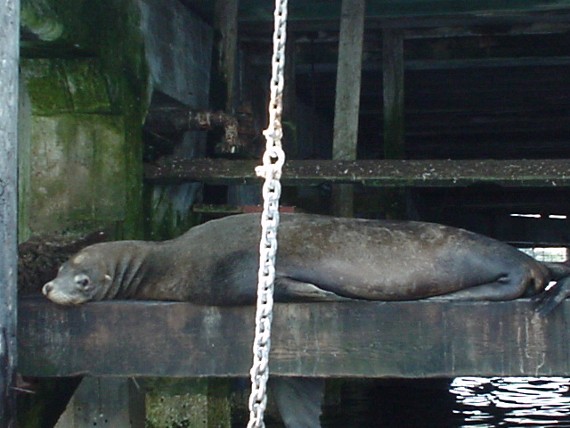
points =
(81, 279)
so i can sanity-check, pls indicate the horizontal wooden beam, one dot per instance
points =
(351, 339)
(388, 173)
(448, 64)
(255, 12)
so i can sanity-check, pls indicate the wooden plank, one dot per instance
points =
(389, 173)
(349, 339)
(257, 11)
(347, 98)
(9, 52)
(437, 64)
(456, 25)
(470, 63)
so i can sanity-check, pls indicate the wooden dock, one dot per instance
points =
(350, 339)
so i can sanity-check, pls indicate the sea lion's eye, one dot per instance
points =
(82, 280)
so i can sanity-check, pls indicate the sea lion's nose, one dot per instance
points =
(47, 288)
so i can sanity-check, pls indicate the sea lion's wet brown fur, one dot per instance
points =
(319, 258)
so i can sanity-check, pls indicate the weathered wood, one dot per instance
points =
(289, 119)
(427, 26)
(226, 12)
(356, 339)
(347, 98)
(394, 173)
(393, 95)
(9, 52)
(401, 13)
(447, 64)
(394, 132)
(342, 200)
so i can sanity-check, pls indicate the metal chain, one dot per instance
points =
(273, 160)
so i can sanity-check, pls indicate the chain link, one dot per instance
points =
(273, 160)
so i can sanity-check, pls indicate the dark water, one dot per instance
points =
(462, 402)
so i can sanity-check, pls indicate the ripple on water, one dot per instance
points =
(515, 401)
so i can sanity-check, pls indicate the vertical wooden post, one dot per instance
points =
(290, 142)
(347, 102)
(394, 200)
(226, 25)
(9, 57)
(393, 78)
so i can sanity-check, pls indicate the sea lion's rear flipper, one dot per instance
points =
(291, 290)
(551, 298)
(299, 400)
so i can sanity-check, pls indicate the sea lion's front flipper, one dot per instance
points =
(551, 298)
(299, 400)
(291, 290)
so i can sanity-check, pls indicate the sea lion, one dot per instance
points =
(319, 258)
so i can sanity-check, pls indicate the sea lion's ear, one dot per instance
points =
(108, 278)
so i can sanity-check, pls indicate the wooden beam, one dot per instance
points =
(9, 53)
(347, 99)
(393, 173)
(417, 27)
(451, 64)
(257, 12)
(349, 339)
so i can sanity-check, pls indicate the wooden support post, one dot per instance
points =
(347, 101)
(394, 132)
(393, 78)
(9, 54)
(226, 26)
(290, 143)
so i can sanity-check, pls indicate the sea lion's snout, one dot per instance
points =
(57, 294)
(69, 288)
(47, 288)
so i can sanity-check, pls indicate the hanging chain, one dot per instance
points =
(273, 160)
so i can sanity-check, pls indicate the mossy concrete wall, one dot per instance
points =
(88, 75)
(84, 73)
(91, 70)
(76, 155)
